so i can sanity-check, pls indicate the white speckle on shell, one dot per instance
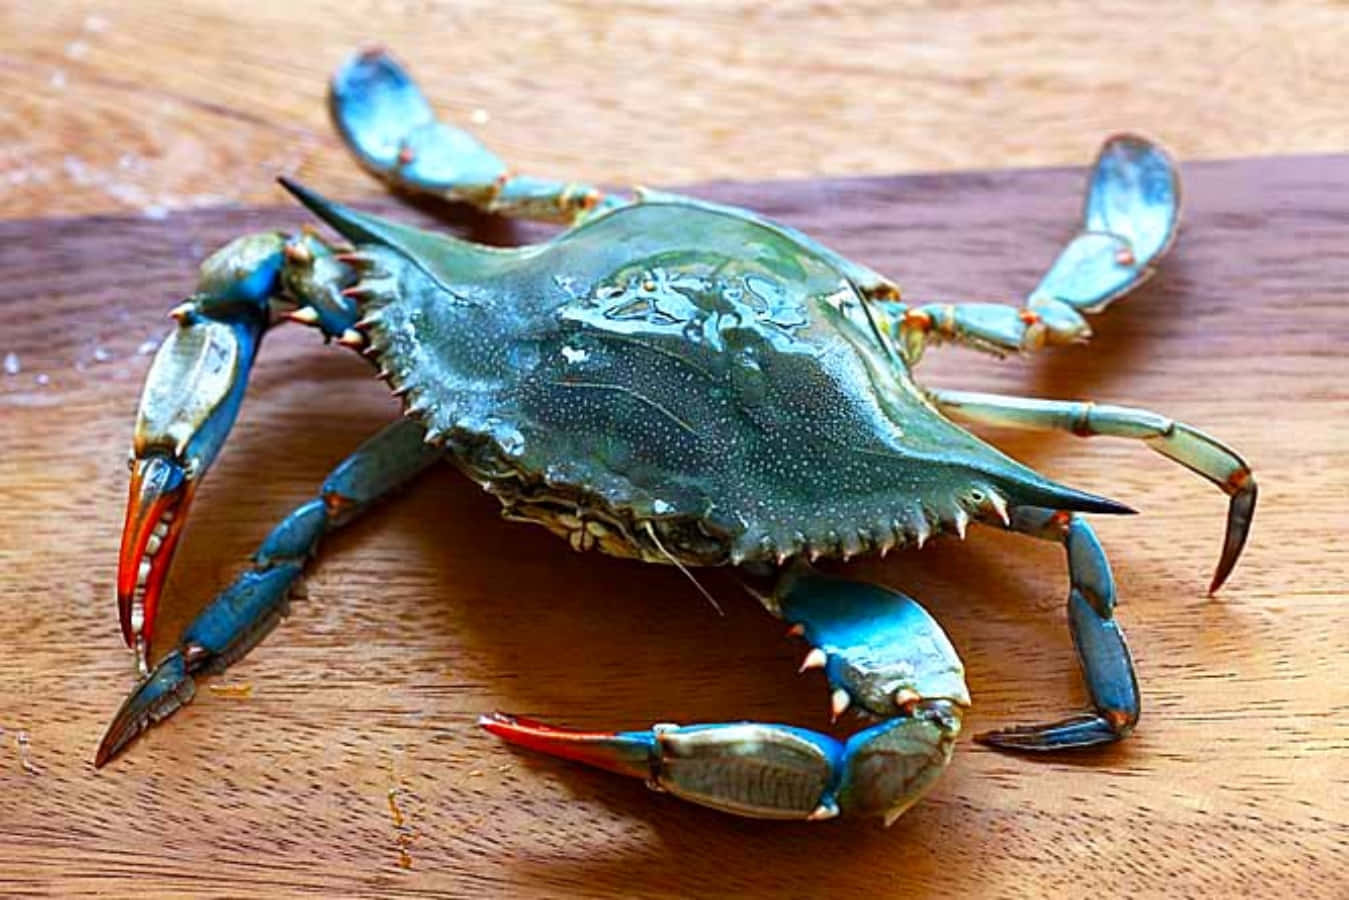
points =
(660, 507)
(575, 355)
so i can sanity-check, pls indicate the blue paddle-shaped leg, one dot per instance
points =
(1129, 221)
(390, 127)
(243, 614)
(195, 387)
(883, 654)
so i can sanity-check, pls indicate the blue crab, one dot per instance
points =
(683, 383)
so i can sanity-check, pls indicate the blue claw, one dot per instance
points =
(878, 646)
(192, 395)
(242, 614)
(765, 771)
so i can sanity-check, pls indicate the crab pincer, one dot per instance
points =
(882, 653)
(192, 395)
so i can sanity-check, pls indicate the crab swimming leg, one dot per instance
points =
(1130, 217)
(882, 654)
(242, 614)
(390, 127)
(1188, 446)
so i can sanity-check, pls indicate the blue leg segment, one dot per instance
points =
(1106, 664)
(390, 127)
(881, 651)
(243, 614)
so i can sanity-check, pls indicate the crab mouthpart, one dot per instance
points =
(156, 507)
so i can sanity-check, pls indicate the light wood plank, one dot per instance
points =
(162, 104)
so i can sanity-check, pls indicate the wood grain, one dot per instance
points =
(433, 609)
(165, 104)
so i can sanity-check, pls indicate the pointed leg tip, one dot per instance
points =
(497, 723)
(1073, 733)
(1240, 512)
(121, 733)
(104, 754)
(996, 739)
(155, 698)
(1015, 740)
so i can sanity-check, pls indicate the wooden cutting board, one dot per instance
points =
(433, 610)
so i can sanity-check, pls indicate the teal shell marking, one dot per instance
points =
(690, 379)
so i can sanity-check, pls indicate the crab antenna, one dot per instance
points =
(680, 566)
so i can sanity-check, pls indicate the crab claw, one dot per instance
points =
(880, 650)
(191, 397)
(160, 495)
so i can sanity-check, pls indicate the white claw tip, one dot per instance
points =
(1000, 508)
(905, 698)
(352, 338)
(827, 809)
(815, 659)
(305, 315)
(839, 701)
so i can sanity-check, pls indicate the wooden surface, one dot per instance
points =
(128, 131)
(166, 104)
(434, 610)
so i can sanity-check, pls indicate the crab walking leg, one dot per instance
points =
(390, 127)
(881, 652)
(1106, 663)
(1188, 446)
(1130, 217)
(243, 613)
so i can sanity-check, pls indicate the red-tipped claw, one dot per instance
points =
(626, 753)
(190, 399)
(159, 497)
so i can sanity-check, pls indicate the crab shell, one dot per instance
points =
(674, 380)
